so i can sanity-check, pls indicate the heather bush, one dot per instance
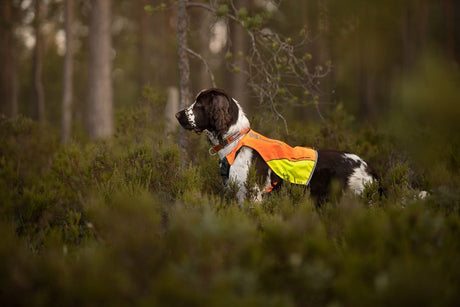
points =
(131, 222)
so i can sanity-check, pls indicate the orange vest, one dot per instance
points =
(293, 164)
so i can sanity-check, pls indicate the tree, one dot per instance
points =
(239, 47)
(8, 79)
(100, 92)
(184, 66)
(38, 93)
(67, 82)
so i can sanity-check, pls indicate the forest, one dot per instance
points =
(105, 200)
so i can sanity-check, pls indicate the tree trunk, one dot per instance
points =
(66, 124)
(172, 106)
(206, 20)
(368, 69)
(239, 39)
(143, 45)
(38, 94)
(8, 80)
(184, 66)
(100, 92)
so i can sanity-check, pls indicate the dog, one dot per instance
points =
(229, 132)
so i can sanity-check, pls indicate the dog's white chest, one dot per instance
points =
(240, 169)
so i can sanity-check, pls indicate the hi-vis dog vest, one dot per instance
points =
(293, 164)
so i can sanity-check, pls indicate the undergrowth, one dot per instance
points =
(129, 222)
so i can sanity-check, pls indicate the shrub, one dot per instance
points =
(129, 222)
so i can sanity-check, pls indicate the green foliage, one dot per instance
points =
(127, 222)
(242, 13)
(222, 10)
(150, 9)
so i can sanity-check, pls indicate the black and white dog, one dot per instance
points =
(222, 118)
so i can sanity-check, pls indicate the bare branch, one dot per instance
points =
(211, 75)
(279, 71)
(201, 5)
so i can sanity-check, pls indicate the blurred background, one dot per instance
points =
(385, 57)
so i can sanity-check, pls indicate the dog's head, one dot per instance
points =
(213, 110)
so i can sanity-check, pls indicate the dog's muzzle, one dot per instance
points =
(186, 119)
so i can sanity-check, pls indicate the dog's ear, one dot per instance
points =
(220, 113)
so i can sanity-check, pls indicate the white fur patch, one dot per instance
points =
(239, 172)
(423, 194)
(190, 115)
(353, 157)
(360, 177)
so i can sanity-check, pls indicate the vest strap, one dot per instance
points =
(225, 142)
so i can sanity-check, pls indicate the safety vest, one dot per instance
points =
(293, 164)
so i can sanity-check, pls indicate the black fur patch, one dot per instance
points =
(215, 111)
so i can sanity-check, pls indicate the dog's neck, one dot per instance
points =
(241, 124)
